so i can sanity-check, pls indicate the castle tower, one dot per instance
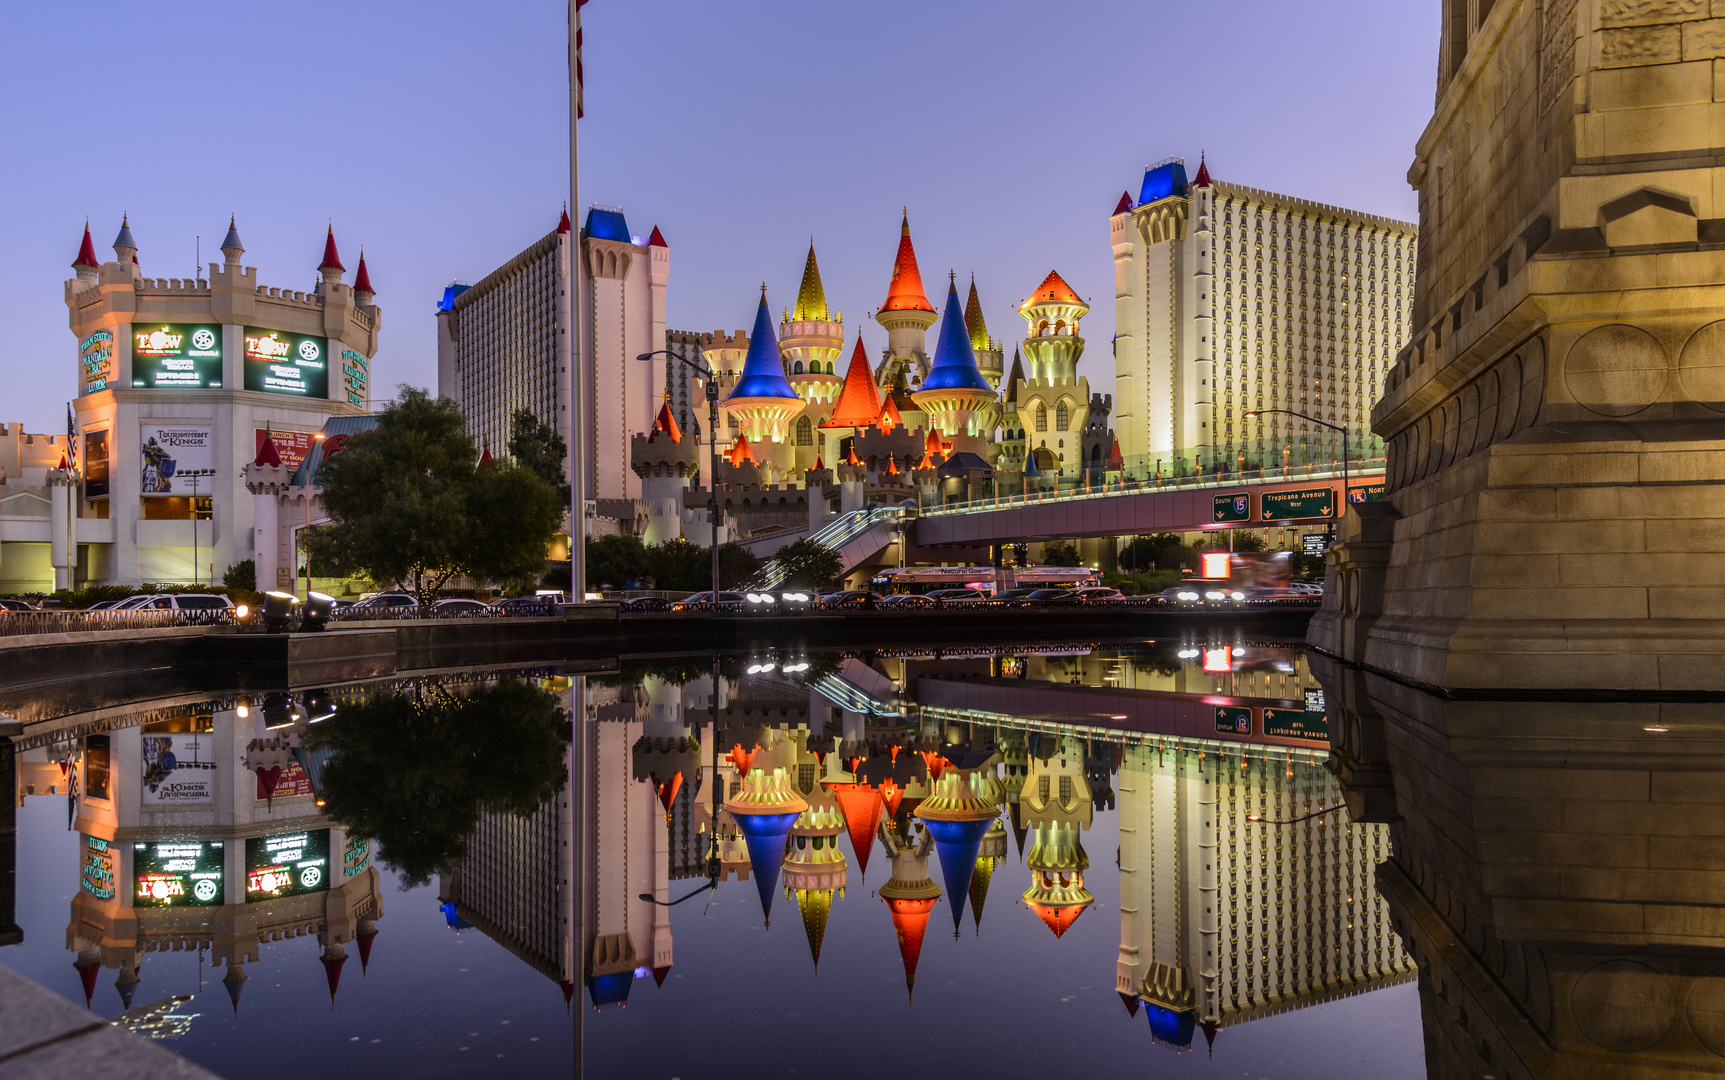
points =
(766, 808)
(955, 397)
(909, 895)
(763, 400)
(957, 814)
(1053, 403)
(906, 314)
(988, 351)
(667, 462)
(811, 337)
(1056, 805)
(814, 868)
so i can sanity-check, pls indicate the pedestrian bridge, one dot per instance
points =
(1302, 495)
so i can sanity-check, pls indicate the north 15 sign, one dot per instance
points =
(173, 356)
(282, 363)
(178, 873)
(1293, 505)
(287, 865)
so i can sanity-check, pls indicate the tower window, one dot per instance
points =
(805, 431)
(1062, 416)
(1041, 417)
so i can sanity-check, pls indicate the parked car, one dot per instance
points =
(1099, 594)
(648, 604)
(1181, 594)
(459, 605)
(852, 598)
(1009, 595)
(133, 603)
(899, 601)
(105, 605)
(524, 606)
(948, 596)
(12, 603)
(189, 602)
(387, 601)
(700, 600)
(1051, 598)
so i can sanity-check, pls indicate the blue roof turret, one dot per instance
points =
(1163, 180)
(607, 224)
(954, 366)
(763, 372)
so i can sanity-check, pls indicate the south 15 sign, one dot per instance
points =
(283, 363)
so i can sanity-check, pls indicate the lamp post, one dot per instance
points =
(713, 437)
(306, 465)
(1343, 509)
(1261, 820)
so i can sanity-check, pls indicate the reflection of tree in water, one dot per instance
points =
(414, 772)
(1154, 658)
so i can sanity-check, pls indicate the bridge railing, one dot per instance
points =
(833, 536)
(1097, 483)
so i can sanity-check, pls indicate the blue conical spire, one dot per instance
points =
(763, 373)
(954, 365)
(1030, 469)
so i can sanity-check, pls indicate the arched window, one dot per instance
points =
(805, 432)
(1059, 327)
(1062, 416)
(1041, 417)
(797, 368)
(1042, 328)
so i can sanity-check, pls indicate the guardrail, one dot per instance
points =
(1357, 470)
(1138, 602)
(19, 623)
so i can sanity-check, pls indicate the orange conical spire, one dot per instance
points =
(910, 922)
(1053, 289)
(851, 458)
(861, 807)
(890, 417)
(665, 424)
(667, 791)
(905, 292)
(740, 452)
(859, 402)
(891, 466)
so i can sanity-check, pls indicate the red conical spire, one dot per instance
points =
(1058, 917)
(659, 974)
(86, 252)
(563, 222)
(740, 452)
(267, 453)
(1131, 1002)
(364, 940)
(858, 403)
(889, 417)
(851, 458)
(1123, 205)
(891, 466)
(361, 279)
(87, 972)
(657, 239)
(1203, 179)
(668, 791)
(905, 292)
(331, 260)
(332, 971)
(485, 458)
(665, 424)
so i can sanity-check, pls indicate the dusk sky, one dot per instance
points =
(435, 135)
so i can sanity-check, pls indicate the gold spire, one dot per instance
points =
(811, 305)
(974, 323)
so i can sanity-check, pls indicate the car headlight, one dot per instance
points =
(242, 611)
(1214, 594)
(1188, 596)
(1237, 596)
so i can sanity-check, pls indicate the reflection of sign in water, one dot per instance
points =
(1296, 724)
(172, 357)
(1233, 720)
(1235, 507)
(287, 865)
(357, 857)
(177, 873)
(96, 767)
(98, 868)
(176, 772)
(282, 363)
(1315, 699)
(1290, 505)
(283, 782)
(96, 361)
(172, 451)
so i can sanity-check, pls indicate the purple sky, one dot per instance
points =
(435, 135)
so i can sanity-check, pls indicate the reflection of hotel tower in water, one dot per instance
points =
(1225, 920)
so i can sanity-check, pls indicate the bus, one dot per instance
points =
(988, 579)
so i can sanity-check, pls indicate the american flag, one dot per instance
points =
(71, 436)
(580, 83)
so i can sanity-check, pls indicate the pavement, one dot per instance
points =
(45, 1037)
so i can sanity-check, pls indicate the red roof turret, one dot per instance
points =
(665, 424)
(890, 417)
(86, 252)
(267, 453)
(657, 239)
(1203, 179)
(905, 292)
(1052, 290)
(331, 260)
(563, 222)
(1123, 205)
(332, 969)
(361, 279)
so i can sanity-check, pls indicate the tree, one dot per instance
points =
(408, 505)
(810, 565)
(414, 772)
(1164, 551)
(540, 449)
(242, 575)
(737, 564)
(1242, 540)
(1061, 554)
(613, 560)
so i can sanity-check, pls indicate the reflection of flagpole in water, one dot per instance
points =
(582, 821)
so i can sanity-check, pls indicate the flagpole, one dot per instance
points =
(579, 466)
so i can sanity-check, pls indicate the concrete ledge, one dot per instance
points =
(45, 1037)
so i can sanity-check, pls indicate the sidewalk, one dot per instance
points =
(45, 1037)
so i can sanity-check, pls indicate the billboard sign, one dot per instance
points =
(1292, 505)
(282, 781)
(96, 763)
(287, 865)
(177, 771)
(178, 873)
(281, 363)
(291, 446)
(96, 361)
(95, 464)
(355, 375)
(1296, 724)
(98, 876)
(357, 857)
(174, 455)
(174, 356)
(1234, 507)
(1233, 720)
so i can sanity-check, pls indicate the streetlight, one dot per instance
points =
(1343, 509)
(713, 437)
(1262, 820)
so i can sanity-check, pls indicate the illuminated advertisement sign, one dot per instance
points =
(283, 363)
(96, 764)
(1296, 724)
(1315, 544)
(178, 873)
(291, 446)
(1235, 507)
(1213, 565)
(176, 357)
(355, 374)
(1291, 505)
(287, 865)
(95, 465)
(357, 857)
(174, 455)
(176, 772)
(96, 361)
(98, 878)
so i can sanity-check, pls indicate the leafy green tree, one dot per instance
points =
(678, 564)
(612, 560)
(737, 564)
(1163, 551)
(242, 575)
(809, 565)
(540, 449)
(1061, 554)
(414, 772)
(408, 505)
(1243, 540)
